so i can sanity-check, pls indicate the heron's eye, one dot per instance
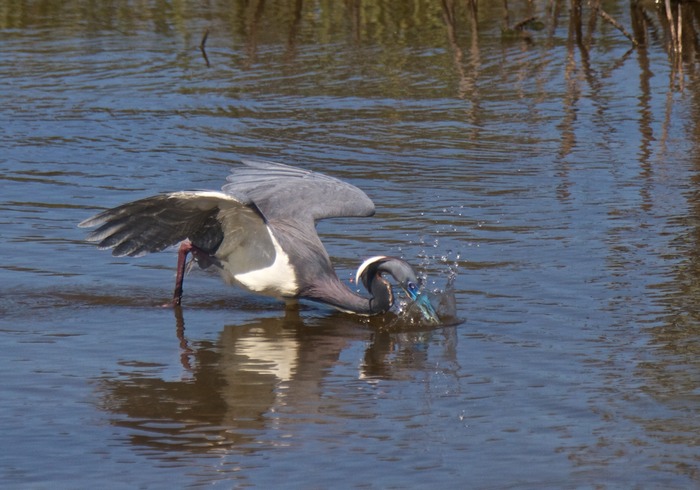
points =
(412, 286)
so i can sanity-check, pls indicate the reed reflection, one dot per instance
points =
(247, 389)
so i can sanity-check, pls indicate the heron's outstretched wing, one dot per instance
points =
(155, 223)
(289, 193)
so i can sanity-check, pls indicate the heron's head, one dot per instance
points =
(370, 273)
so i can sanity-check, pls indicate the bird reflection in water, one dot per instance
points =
(247, 390)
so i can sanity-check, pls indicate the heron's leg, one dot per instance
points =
(204, 259)
(185, 248)
(291, 305)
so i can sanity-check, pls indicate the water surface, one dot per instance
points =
(554, 171)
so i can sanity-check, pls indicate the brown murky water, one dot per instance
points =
(554, 170)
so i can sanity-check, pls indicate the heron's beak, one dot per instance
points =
(426, 308)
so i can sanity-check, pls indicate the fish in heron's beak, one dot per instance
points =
(421, 300)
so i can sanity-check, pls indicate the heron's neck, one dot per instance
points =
(335, 293)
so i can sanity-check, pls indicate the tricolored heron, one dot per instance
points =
(260, 232)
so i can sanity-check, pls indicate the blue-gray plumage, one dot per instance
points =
(260, 232)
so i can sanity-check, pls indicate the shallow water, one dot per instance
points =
(558, 178)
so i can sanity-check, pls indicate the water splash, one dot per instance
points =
(441, 291)
(437, 260)
(438, 266)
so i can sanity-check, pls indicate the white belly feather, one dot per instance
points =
(278, 279)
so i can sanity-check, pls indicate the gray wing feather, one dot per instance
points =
(289, 193)
(230, 223)
(155, 223)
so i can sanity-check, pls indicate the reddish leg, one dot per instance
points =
(185, 248)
